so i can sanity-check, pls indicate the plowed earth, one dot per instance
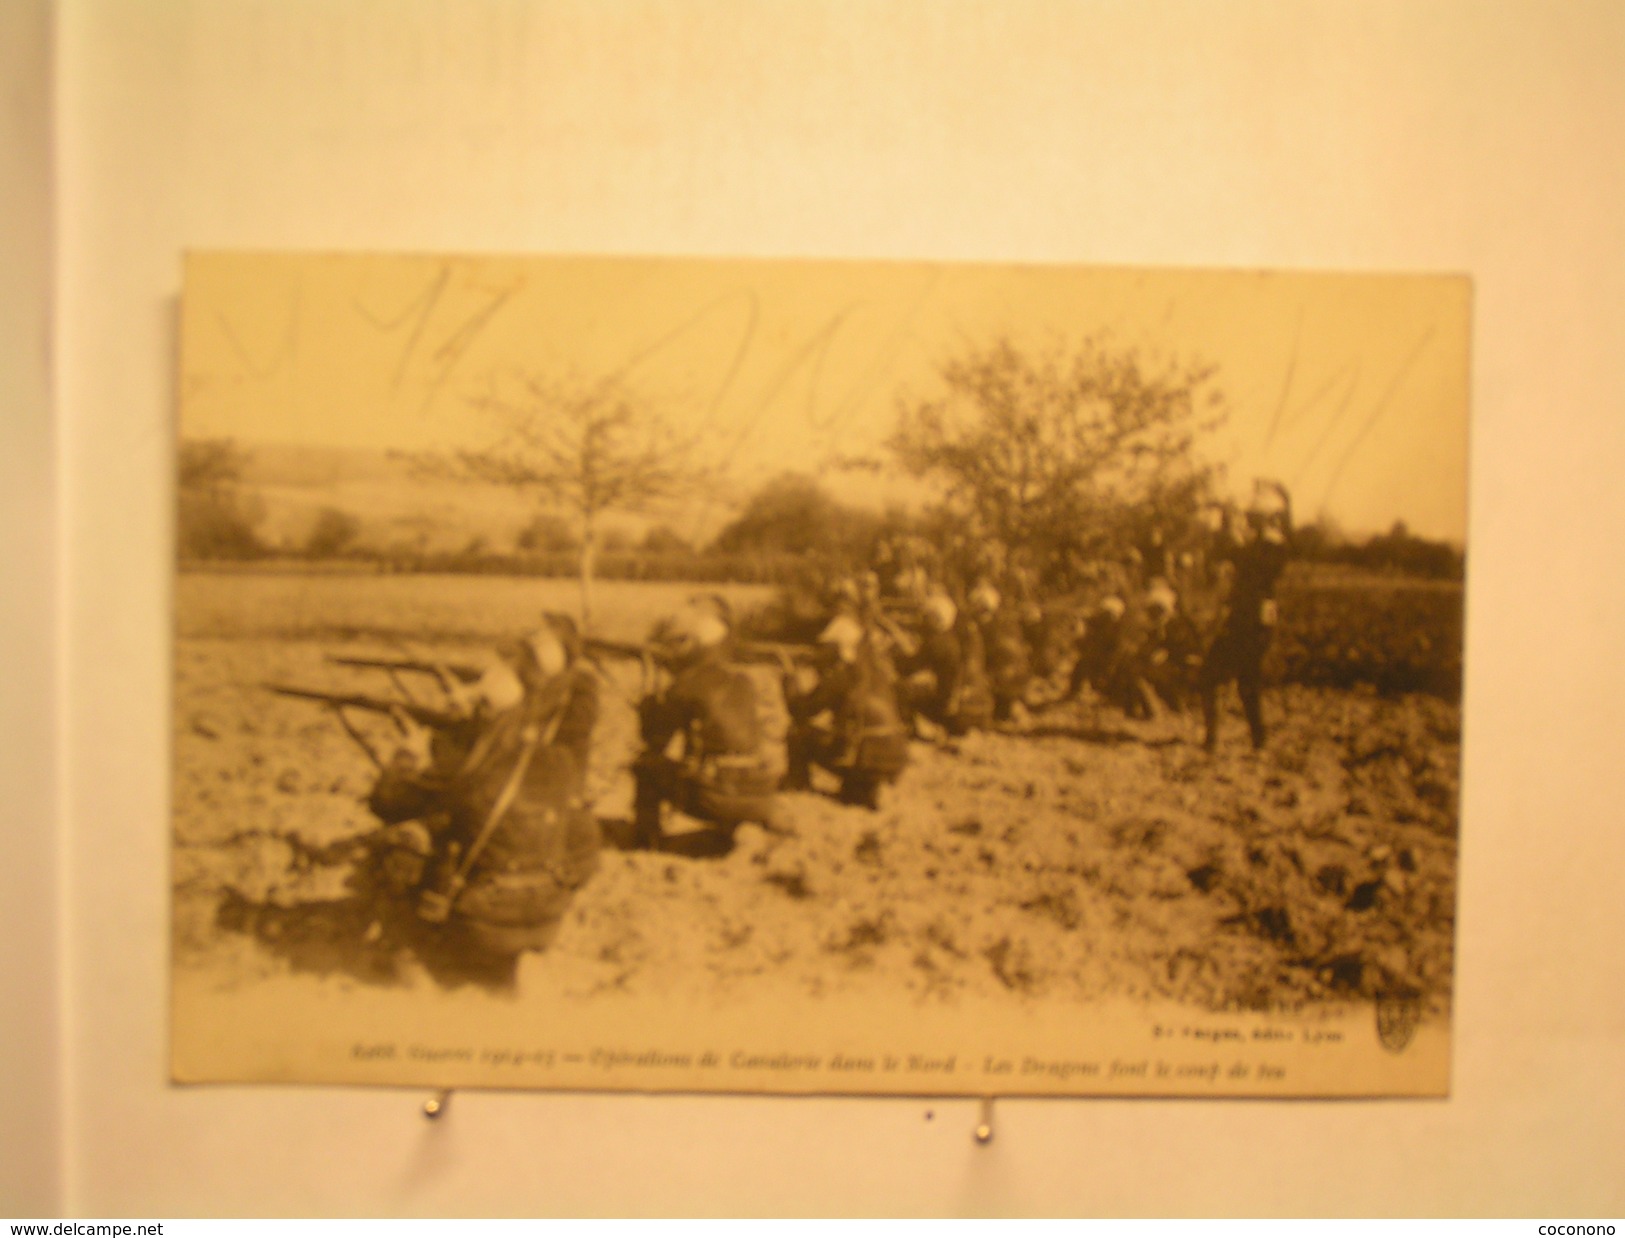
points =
(1076, 857)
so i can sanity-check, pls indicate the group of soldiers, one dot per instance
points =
(1138, 648)
(487, 829)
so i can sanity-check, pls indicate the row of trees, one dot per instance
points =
(1396, 551)
(1061, 456)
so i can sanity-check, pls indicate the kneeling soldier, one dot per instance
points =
(505, 835)
(848, 721)
(1169, 657)
(1009, 665)
(946, 680)
(721, 774)
(1102, 650)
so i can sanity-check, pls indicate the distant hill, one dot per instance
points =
(303, 465)
(398, 503)
(395, 501)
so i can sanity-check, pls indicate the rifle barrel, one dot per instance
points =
(440, 719)
(461, 670)
(603, 646)
(773, 651)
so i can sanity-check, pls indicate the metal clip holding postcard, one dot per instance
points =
(984, 1127)
(435, 1107)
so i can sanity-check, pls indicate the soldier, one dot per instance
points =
(717, 604)
(885, 636)
(845, 596)
(1009, 667)
(1038, 627)
(972, 706)
(1168, 657)
(721, 774)
(900, 568)
(1100, 648)
(1152, 554)
(847, 722)
(504, 838)
(947, 674)
(1247, 625)
(422, 769)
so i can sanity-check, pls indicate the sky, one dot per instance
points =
(1352, 389)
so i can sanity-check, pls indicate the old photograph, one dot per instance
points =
(817, 677)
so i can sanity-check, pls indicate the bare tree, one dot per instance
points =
(586, 448)
(1058, 452)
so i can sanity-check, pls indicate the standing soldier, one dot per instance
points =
(721, 773)
(848, 721)
(1247, 625)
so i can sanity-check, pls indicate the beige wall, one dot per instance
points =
(1451, 136)
(30, 1129)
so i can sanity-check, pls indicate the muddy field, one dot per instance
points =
(1075, 857)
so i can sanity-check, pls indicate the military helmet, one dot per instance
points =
(985, 599)
(497, 689)
(844, 634)
(545, 651)
(687, 632)
(940, 612)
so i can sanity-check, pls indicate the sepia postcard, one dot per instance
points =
(817, 677)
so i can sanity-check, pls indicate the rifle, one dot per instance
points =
(598, 648)
(778, 653)
(603, 647)
(463, 671)
(423, 715)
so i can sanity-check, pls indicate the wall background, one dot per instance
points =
(30, 906)
(1385, 135)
